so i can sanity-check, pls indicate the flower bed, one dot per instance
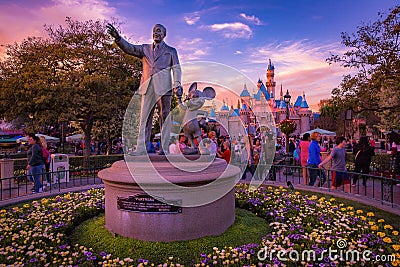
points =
(35, 234)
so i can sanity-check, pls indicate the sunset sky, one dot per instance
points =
(297, 35)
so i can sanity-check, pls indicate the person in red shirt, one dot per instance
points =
(226, 155)
(304, 144)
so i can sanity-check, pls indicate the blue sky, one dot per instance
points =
(297, 35)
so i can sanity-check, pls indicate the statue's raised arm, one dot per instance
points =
(113, 32)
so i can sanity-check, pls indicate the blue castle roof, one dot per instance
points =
(265, 92)
(245, 92)
(257, 96)
(270, 66)
(298, 101)
(235, 112)
(212, 113)
(304, 102)
(225, 108)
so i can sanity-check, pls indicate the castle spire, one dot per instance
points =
(304, 103)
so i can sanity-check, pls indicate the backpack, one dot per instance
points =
(296, 154)
(45, 155)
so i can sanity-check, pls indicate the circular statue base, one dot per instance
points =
(168, 199)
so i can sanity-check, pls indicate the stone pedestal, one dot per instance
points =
(161, 198)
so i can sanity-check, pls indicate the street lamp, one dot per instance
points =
(286, 98)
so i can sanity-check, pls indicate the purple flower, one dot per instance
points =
(88, 253)
(102, 253)
(33, 260)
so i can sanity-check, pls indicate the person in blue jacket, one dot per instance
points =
(314, 159)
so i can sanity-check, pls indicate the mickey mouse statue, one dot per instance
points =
(191, 104)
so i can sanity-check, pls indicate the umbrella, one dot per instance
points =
(321, 131)
(46, 137)
(75, 137)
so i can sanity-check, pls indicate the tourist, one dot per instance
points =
(226, 154)
(182, 143)
(340, 176)
(204, 146)
(314, 159)
(47, 159)
(213, 146)
(246, 159)
(363, 155)
(35, 162)
(174, 146)
(304, 144)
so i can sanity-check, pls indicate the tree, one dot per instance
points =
(75, 74)
(329, 115)
(374, 55)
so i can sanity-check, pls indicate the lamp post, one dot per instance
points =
(286, 98)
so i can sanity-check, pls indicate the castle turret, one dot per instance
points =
(305, 115)
(245, 95)
(270, 83)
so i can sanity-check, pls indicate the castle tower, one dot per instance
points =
(270, 83)
(223, 116)
(245, 95)
(305, 115)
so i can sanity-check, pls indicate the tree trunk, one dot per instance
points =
(87, 126)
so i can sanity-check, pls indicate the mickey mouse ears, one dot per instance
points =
(208, 92)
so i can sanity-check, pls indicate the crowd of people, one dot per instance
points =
(307, 153)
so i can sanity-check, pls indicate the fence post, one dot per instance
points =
(7, 171)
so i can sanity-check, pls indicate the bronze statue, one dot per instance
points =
(161, 77)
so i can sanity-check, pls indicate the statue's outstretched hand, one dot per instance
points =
(178, 90)
(113, 32)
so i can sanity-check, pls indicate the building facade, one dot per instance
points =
(263, 110)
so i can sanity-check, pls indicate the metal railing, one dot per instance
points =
(383, 189)
(386, 190)
(22, 185)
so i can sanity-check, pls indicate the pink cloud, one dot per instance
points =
(21, 19)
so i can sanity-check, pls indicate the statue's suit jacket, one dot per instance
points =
(162, 62)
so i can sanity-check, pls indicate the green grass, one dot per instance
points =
(248, 228)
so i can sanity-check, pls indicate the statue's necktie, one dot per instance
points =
(156, 50)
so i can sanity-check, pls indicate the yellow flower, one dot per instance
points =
(332, 199)
(359, 211)
(395, 233)
(387, 226)
(370, 214)
(371, 223)
(374, 227)
(396, 247)
(381, 220)
(387, 240)
(380, 234)
(350, 208)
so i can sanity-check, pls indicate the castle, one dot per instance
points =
(263, 110)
